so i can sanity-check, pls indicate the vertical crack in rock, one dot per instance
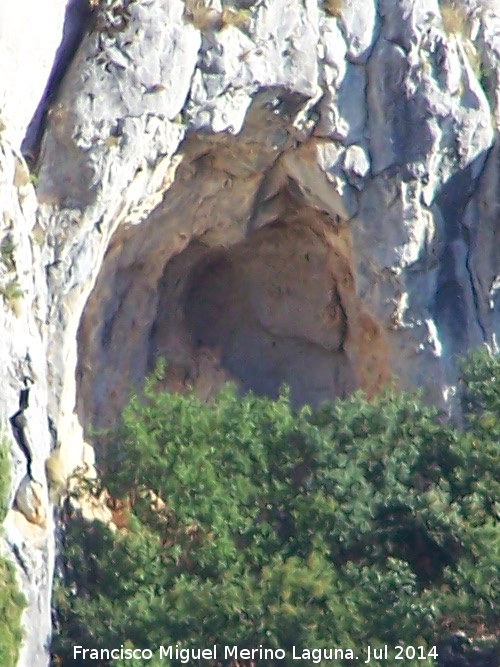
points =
(481, 305)
(19, 423)
(456, 306)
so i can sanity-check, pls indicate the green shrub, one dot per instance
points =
(4, 478)
(11, 291)
(12, 602)
(246, 523)
(7, 249)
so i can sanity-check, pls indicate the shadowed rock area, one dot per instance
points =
(278, 307)
(271, 310)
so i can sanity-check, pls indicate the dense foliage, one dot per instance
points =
(246, 523)
(12, 602)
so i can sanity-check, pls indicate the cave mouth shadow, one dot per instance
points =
(259, 301)
(263, 313)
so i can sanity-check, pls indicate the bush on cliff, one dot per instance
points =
(246, 523)
(12, 602)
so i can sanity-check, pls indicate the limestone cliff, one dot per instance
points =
(268, 191)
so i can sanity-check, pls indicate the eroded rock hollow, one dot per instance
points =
(262, 302)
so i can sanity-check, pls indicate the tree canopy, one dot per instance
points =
(244, 522)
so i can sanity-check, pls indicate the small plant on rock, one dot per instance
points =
(235, 17)
(12, 602)
(454, 18)
(333, 7)
(7, 249)
(11, 291)
(200, 15)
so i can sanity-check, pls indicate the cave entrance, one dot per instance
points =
(230, 279)
(266, 312)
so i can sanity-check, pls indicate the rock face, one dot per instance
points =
(269, 192)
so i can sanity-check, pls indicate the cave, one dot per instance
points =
(239, 275)
(275, 308)
(264, 313)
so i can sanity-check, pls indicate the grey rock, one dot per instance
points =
(343, 106)
(297, 198)
(31, 500)
(358, 21)
(356, 165)
(404, 21)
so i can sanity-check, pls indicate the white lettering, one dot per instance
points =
(119, 653)
(316, 655)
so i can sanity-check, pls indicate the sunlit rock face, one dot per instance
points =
(293, 198)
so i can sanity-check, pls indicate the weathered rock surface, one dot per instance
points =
(274, 196)
(29, 528)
